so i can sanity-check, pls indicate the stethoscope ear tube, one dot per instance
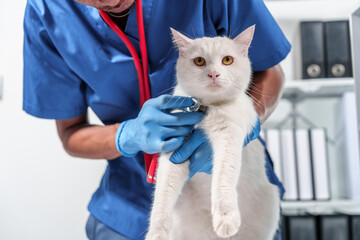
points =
(144, 93)
(141, 69)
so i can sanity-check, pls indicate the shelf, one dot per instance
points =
(311, 10)
(299, 90)
(355, 37)
(321, 206)
(1, 88)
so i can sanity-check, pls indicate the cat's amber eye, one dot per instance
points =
(199, 61)
(227, 60)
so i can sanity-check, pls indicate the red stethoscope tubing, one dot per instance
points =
(142, 73)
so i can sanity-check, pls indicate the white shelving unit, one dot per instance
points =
(309, 9)
(289, 14)
(321, 206)
(1, 87)
(355, 37)
(302, 89)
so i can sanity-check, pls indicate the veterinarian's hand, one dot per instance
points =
(156, 129)
(198, 150)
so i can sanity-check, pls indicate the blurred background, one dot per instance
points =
(313, 135)
(44, 192)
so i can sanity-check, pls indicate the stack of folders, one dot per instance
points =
(300, 162)
(324, 226)
(347, 179)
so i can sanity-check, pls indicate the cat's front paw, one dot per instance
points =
(157, 235)
(226, 223)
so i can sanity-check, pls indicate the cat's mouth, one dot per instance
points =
(214, 86)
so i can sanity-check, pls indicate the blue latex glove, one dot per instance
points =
(156, 129)
(198, 150)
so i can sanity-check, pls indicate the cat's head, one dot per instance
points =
(214, 69)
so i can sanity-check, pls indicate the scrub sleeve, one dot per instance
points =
(51, 89)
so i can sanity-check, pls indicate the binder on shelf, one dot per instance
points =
(320, 163)
(355, 227)
(274, 148)
(322, 223)
(347, 178)
(341, 180)
(338, 49)
(313, 50)
(304, 169)
(289, 164)
(334, 227)
(283, 227)
(354, 217)
(301, 227)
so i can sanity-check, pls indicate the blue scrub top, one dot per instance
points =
(73, 60)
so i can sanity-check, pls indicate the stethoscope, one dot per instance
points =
(151, 160)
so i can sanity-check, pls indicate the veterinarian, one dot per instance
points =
(74, 60)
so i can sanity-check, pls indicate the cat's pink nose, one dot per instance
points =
(213, 75)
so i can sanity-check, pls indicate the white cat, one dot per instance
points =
(237, 201)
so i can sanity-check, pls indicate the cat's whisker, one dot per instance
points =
(258, 92)
(219, 81)
(193, 30)
(172, 87)
(255, 89)
(256, 101)
(141, 234)
(182, 101)
(177, 100)
(231, 33)
(189, 35)
(170, 101)
(253, 84)
(223, 80)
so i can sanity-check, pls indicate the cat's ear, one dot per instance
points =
(245, 38)
(180, 40)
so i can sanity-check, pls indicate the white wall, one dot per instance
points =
(43, 191)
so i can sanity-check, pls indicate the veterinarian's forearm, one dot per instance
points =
(266, 89)
(88, 141)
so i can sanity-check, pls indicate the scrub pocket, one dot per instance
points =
(96, 230)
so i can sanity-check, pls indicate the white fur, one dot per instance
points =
(236, 201)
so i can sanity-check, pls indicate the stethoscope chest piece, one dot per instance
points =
(196, 107)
